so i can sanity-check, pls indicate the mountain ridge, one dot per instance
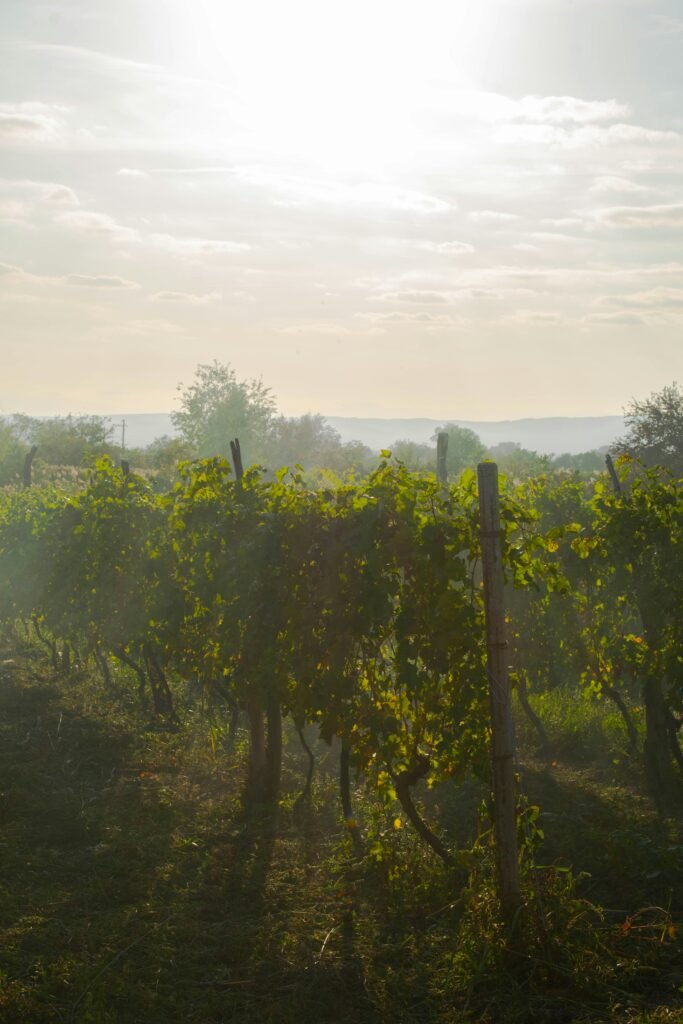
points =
(544, 434)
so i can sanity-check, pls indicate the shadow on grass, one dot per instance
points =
(633, 854)
(129, 894)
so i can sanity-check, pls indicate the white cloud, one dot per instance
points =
(99, 281)
(335, 330)
(373, 195)
(7, 269)
(534, 318)
(191, 246)
(563, 222)
(614, 320)
(493, 217)
(424, 298)
(569, 110)
(187, 298)
(573, 137)
(448, 248)
(31, 123)
(657, 216)
(432, 321)
(661, 298)
(92, 223)
(496, 108)
(608, 183)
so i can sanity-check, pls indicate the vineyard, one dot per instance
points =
(259, 713)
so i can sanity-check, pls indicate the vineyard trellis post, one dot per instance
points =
(502, 734)
(441, 455)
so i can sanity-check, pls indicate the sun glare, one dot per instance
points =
(334, 84)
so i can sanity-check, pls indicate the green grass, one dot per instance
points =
(134, 889)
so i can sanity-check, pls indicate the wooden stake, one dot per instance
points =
(28, 466)
(614, 477)
(236, 453)
(441, 453)
(502, 736)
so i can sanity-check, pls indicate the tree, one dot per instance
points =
(308, 441)
(414, 456)
(655, 429)
(217, 407)
(517, 462)
(465, 449)
(585, 462)
(66, 440)
(12, 453)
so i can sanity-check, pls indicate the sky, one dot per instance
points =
(379, 207)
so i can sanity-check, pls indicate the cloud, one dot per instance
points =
(534, 318)
(191, 246)
(31, 122)
(614, 320)
(59, 195)
(13, 212)
(433, 321)
(22, 201)
(658, 216)
(554, 137)
(668, 25)
(425, 298)
(102, 225)
(374, 195)
(655, 299)
(609, 183)
(569, 110)
(448, 248)
(50, 193)
(98, 224)
(335, 330)
(99, 281)
(497, 108)
(7, 269)
(493, 217)
(563, 222)
(187, 298)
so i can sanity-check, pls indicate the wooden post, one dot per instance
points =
(28, 466)
(237, 458)
(616, 482)
(502, 736)
(441, 453)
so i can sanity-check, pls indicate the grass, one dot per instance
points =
(133, 888)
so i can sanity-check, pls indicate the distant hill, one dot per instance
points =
(549, 435)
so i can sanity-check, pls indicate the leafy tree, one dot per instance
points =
(217, 407)
(163, 456)
(66, 440)
(518, 462)
(12, 452)
(307, 441)
(655, 429)
(584, 463)
(414, 456)
(465, 449)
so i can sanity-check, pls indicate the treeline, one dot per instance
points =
(217, 406)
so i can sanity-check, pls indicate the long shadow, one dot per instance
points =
(632, 853)
(82, 835)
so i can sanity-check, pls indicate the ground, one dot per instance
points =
(134, 888)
